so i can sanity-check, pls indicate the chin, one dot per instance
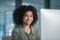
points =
(28, 24)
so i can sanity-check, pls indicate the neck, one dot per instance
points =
(26, 26)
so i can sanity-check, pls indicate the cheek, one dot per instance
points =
(31, 19)
(24, 18)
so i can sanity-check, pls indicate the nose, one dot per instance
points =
(28, 18)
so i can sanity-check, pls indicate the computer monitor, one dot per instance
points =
(50, 24)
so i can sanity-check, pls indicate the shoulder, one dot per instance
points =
(17, 29)
(35, 28)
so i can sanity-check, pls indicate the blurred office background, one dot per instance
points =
(8, 6)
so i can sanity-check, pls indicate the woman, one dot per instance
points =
(25, 17)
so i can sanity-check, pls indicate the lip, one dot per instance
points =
(28, 22)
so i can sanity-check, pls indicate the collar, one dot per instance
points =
(32, 30)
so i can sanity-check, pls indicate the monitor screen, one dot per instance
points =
(50, 24)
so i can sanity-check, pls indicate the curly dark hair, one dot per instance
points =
(19, 12)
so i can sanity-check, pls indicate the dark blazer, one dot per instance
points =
(19, 34)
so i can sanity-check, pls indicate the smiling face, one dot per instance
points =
(27, 18)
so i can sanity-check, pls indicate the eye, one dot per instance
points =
(25, 15)
(31, 15)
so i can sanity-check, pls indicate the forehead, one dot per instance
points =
(28, 12)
